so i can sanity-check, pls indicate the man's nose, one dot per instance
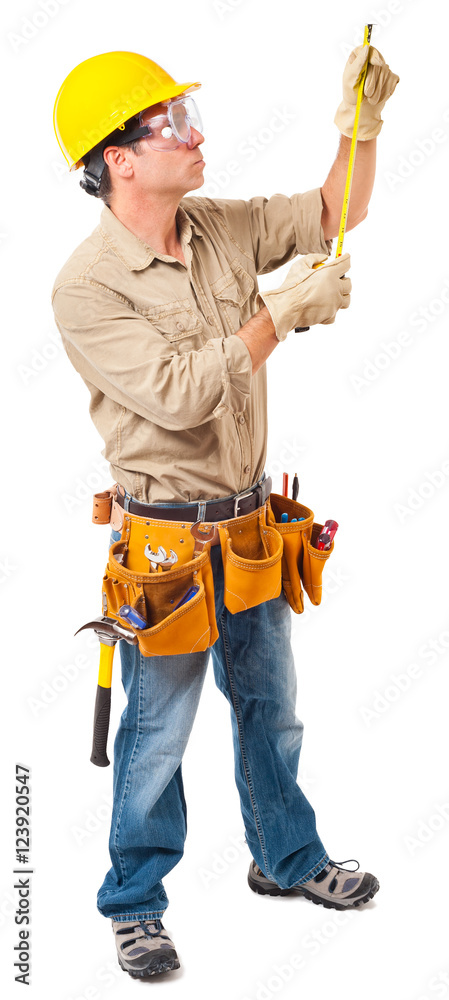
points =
(196, 138)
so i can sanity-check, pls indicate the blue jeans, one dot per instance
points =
(254, 668)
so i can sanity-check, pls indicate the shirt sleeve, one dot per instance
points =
(129, 361)
(274, 230)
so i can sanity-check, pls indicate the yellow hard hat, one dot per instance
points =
(101, 93)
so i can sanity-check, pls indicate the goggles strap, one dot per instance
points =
(93, 171)
(119, 138)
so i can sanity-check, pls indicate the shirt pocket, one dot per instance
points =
(179, 324)
(233, 294)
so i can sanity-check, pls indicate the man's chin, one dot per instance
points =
(196, 186)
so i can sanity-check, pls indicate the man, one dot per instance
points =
(159, 312)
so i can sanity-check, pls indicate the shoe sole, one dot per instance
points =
(274, 890)
(166, 964)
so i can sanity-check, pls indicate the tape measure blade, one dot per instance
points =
(352, 151)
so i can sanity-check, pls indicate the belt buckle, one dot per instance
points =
(241, 496)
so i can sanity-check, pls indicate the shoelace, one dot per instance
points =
(147, 931)
(339, 865)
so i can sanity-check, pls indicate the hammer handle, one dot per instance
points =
(102, 706)
(101, 727)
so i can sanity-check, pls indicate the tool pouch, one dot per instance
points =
(302, 563)
(190, 628)
(252, 553)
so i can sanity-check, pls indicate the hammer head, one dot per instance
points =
(109, 631)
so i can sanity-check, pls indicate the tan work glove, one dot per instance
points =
(307, 297)
(380, 83)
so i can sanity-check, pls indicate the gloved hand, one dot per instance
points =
(307, 297)
(380, 83)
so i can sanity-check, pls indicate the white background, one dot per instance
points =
(374, 749)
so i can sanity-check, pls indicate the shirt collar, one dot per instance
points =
(132, 251)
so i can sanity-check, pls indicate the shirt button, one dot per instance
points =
(241, 419)
(210, 320)
(247, 469)
(180, 327)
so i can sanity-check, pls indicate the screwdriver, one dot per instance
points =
(326, 537)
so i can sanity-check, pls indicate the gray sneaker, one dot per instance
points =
(335, 887)
(144, 947)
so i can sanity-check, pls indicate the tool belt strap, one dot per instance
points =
(203, 510)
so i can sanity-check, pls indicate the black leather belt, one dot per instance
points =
(204, 510)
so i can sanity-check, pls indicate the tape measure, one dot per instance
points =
(346, 196)
(350, 170)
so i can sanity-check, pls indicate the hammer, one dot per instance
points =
(109, 632)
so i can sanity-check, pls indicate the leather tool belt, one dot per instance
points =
(200, 510)
(161, 566)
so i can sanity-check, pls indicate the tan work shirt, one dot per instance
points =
(172, 393)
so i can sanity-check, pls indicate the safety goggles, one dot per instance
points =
(168, 131)
(163, 132)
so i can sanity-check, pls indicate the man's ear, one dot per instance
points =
(118, 161)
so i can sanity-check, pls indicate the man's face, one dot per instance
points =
(168, 171)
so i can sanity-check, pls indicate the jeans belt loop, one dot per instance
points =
(240, 496)
(127, 498)
(201, 510)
